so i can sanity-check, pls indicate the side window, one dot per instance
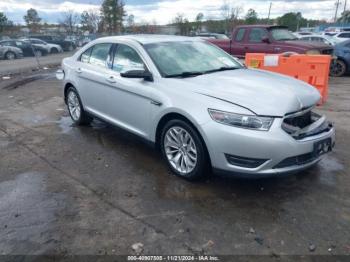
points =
(240, 35)
(99, 54)
(7, 43)
(85, 57)
(257, 34)
(18, 43)
(126, 58)
(344, 35)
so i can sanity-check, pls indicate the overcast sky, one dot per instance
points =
(163, 11)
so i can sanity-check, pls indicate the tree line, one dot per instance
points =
(108, 19)
(113, 19)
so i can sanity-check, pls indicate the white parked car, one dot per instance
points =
(328, 40)
(340, 37)
(198, 105)
(51, 48)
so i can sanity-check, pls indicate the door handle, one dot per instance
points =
(111, 79)
(277, 49)
(79, 71)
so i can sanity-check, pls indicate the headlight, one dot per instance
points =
(313, 52)
(243, 121)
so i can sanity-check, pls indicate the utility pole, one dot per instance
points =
(268, 17)
(336, 10)
(345, 5)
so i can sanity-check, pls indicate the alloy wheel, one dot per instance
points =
(180, 150)
(338, 68)
(74, 106)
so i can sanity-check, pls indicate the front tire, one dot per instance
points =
(338, 68)
(184, 151)
(54, 51)
(75, 108)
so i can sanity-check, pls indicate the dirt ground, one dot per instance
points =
(99, 190)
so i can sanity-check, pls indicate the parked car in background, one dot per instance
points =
(299, 34)
(267, 39)
(340, 37)
(341, 65)
(67, 45)
(10, 52)
(51, 48)
(325, 39)
(205, 112)
(75, 39)
(212, 35)
(26, 47)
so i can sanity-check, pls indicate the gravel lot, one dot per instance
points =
(99, 190)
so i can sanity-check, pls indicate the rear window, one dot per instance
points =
(240, 35)
(257, 35)
(85, 57)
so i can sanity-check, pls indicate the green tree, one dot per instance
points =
(251, 17)
(292, 20)
(3, 22)
(113, 13)
(32, 20)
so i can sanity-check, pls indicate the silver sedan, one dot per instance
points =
(198, 105)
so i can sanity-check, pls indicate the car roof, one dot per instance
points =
(148, 39)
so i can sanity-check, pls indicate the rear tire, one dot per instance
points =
(184, 151)
(76, 109)
(338, 68)
(10, 55)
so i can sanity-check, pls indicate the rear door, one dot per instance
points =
(92, 73)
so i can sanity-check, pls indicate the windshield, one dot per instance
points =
(176, 58)
(280, 34)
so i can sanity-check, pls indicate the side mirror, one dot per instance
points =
(138, 74)
(266, 40)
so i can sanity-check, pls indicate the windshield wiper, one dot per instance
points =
(224, 68)
(185, 74)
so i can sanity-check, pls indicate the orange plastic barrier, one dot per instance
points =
(313, 69)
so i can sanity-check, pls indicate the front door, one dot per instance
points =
(255, 43)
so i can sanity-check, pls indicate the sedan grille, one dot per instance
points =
(305, 124)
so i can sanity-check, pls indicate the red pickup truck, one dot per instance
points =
(267, 39)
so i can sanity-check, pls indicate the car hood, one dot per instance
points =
(262, 92)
